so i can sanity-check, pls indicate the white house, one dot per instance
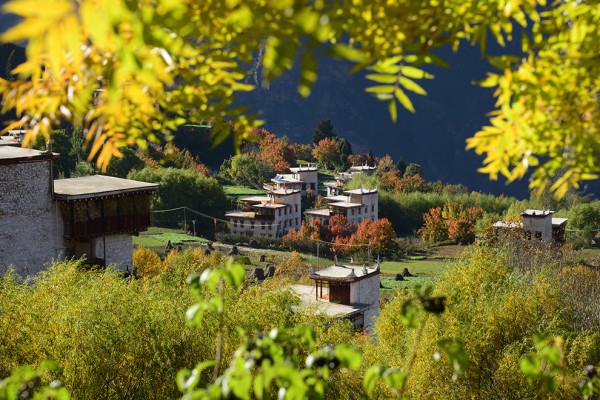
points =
(537, 225)
(357, 205)
(42, 218)
(302, 178)
(346, 292)
(336, 188)
(272, 215)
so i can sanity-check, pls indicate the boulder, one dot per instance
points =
(258, 273)
(270, 271)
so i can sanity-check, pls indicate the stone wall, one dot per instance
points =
(31, 226)
(367, 291)
(119, 251)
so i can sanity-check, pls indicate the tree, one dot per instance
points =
(546, 113)
(122, 166)
(378, 234)
(326, 152)
(413, 169)
(66, 162)
(184, 187)
(242, 169)
(323, 130)
(401, 166)
(345, 149)
(386, 164)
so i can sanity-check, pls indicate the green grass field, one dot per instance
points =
(432, 268)
(241, 191)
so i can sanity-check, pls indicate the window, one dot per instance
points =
(241, 223)
(372, 208)
(359, 209)
(296, 220)
(285, 223)
(235, 223)
(304, 186)
(262, 225)
(285, 211)
(538, 235)
(280, 212)
(296, 207)
(366, 209)
(270, 226)
(252, 224)
(312, 186)
(353, 212)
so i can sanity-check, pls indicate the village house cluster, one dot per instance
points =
(281, 209)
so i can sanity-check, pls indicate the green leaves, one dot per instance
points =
(455, 355)
(546, 364)
(27, 382)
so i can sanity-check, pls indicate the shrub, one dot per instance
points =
(146, 263)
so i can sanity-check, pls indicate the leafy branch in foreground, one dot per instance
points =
(163, 63)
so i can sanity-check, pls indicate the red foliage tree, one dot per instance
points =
(378, 234)
(361, 159)
(274, 152)
(326, 152)
(435, 228)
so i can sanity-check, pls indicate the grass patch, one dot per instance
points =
(146, 241)
(157, 230)
(241, 190)
(177, 238)
(433, 268)
(389, 284)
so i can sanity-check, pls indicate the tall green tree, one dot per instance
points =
(242, 170)
(413, 169)
(345, 149)
(323, 130)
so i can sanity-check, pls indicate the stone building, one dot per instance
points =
(272, 215)
(537, 225)
(357, 205)
(347, 292)
(43, 219)
(302, 178)
(336, 188)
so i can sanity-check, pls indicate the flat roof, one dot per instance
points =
(12, 154)
(98, 186)
(241, 214)
(333, 184)
(308, 296)
(345, 204)
(268, 205)
(337, 198)
(256, 198)
(298, 169)
(322, 212)
(284, 191)
(536, 213)
(508, 224)
(559, 221)
(361, 191)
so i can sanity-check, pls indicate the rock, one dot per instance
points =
(263, 258)
(398, 277)
(233, 252)
(406, 274)
(258, 273)
(270, 271)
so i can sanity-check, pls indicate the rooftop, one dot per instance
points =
(268, 205)
(308, 296)
(284, 191)
(10, 153)
(98, 186)
(361, 191)
(321, 212)
(558, 221)
(301, 168)
(336, 198)
(240, 214)
(339, 272)
(345, 204)
(536, 213)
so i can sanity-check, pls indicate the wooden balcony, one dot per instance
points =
(107, 226)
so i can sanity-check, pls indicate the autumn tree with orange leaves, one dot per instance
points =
(326, 152)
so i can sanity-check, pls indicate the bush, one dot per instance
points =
(146, 263)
